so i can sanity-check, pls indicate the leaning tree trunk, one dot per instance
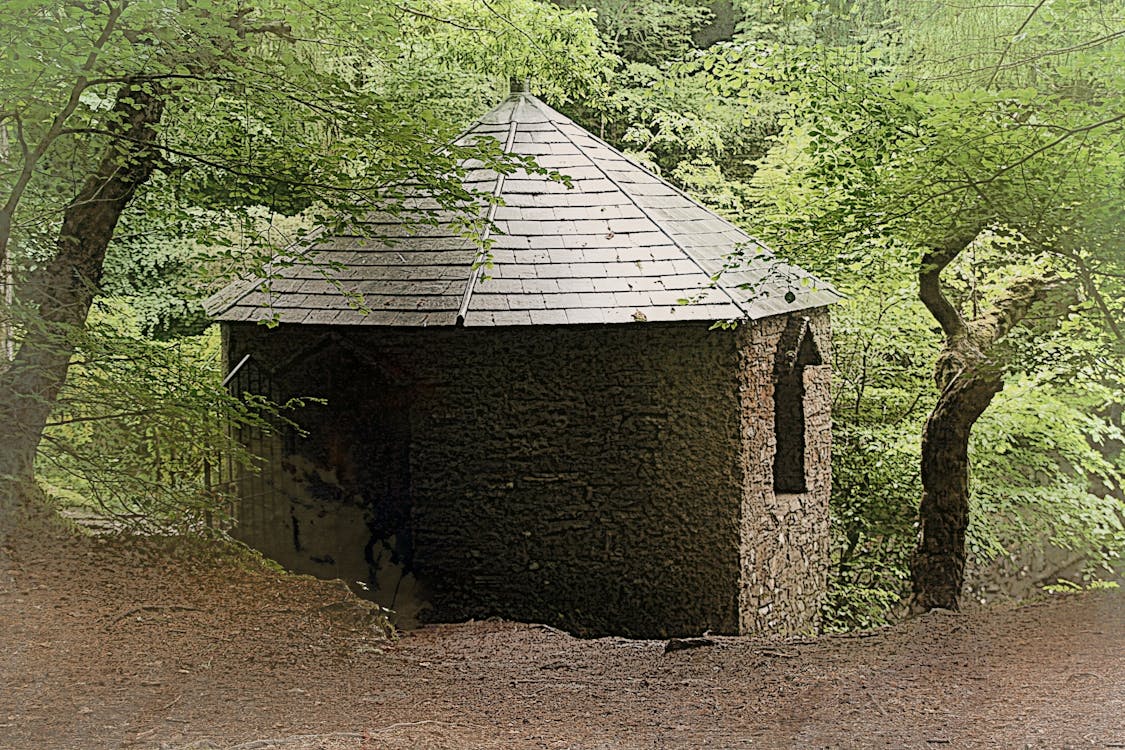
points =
(63, 291)
(938, 567)
(969, 373)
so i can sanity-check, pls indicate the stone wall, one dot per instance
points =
(603, 479)
(784, 552)
(581, 476)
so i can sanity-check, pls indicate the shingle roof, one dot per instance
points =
(620, 245)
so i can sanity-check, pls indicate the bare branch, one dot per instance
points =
(1011, 41)
(1088, 44)
(509, 22)
(1048, 146)
(958, 186)
(445, 21)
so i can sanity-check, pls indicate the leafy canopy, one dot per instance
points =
(276, 116)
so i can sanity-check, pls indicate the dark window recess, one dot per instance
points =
(789, 423)
(796, 351)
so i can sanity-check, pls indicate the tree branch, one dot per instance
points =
(1048, 146)
(935, 260)
(1086, 275)
(1013, 307)
(31, 160)
(1088, 44)
(1012, 41)
(511, 23)
(231, 169)
(100, 417)
(446, 21)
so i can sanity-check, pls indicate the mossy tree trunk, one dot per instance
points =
(938, 567)
(969, 373)
(61, 292)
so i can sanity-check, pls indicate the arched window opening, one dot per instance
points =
(796, 351)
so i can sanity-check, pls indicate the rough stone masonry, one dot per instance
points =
(603, 479)
(541, 421)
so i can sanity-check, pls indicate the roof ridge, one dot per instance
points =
(635, 163)
(303, 245)
(548, 110)
(659, 226)
(474, 274)
(304, 242)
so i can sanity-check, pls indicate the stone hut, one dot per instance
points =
(562, 437)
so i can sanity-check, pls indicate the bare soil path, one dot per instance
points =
(122, 643)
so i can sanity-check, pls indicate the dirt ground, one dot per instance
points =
(119, 643)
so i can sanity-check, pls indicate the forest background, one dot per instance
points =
(955, 168)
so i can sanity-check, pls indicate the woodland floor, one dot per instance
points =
(122, 643)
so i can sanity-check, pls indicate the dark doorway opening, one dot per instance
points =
(349, 456)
